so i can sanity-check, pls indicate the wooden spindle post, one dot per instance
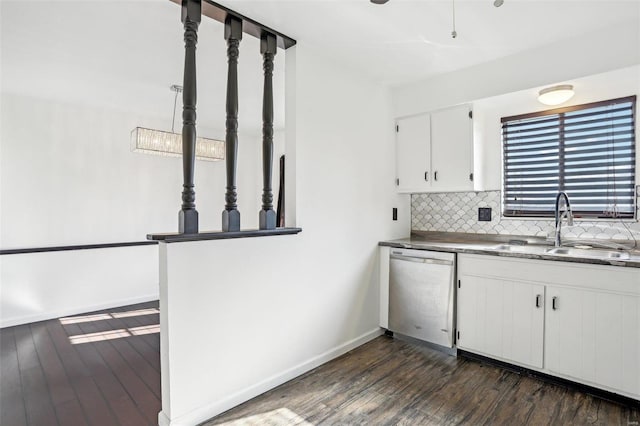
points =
(188, 216)
(233, 35)
(268, 49)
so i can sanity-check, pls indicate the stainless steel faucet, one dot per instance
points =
(567, 213)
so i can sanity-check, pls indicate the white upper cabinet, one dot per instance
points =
(434, 151)
(452, 149)
(413, 156)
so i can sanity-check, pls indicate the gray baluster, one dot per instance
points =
(268, 49)
(233, 35)
(188, 216)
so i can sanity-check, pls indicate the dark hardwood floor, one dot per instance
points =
(101, 368)
(392, 382)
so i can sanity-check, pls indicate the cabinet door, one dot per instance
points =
(594, 336)
(413, 153)
(452, 149)
(501, 318)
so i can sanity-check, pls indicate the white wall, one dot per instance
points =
(68, 177)
(605, 50)
(39, 286)
(241, 316)
(488, 112)
(601, 65)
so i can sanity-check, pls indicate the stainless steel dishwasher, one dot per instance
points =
(421, 295)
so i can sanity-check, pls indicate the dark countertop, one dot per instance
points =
(506, 245)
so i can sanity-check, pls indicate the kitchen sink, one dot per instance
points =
(562, 251)
(594, 253)
(515, 248)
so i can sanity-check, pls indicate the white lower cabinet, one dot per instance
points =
(594, 336)
(572, 320)
(500, 318)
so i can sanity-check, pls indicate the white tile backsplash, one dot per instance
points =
(458, 212)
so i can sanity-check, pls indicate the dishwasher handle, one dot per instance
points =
(422, 260)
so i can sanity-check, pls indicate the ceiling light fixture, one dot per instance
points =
(379, 1)
(556, 95)
(454, 33)
(158, 142)
(498, 3)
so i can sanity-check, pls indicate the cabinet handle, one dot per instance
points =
(435, 175)
(538, 300)
(426, 176)
(553, 303)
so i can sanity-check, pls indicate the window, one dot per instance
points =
(588, 151)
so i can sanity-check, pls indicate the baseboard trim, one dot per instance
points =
(209, 411)
(43, 316)
(163, 420)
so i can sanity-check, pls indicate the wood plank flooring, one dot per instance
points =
(101, 368)
(393, 382)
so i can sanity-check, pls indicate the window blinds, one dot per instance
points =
(587, 151)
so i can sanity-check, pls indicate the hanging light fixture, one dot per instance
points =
(158, 142)
(454, 33)
(556, 95)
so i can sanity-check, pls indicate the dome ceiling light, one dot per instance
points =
(556, 95)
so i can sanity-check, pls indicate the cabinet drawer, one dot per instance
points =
(588, 276)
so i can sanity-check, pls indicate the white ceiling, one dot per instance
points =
(408, 40)
(125, 54)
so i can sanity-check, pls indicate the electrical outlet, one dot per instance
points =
(484, 214)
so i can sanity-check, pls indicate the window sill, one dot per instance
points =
(575, 219)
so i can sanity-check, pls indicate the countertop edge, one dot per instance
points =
(451, 248)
